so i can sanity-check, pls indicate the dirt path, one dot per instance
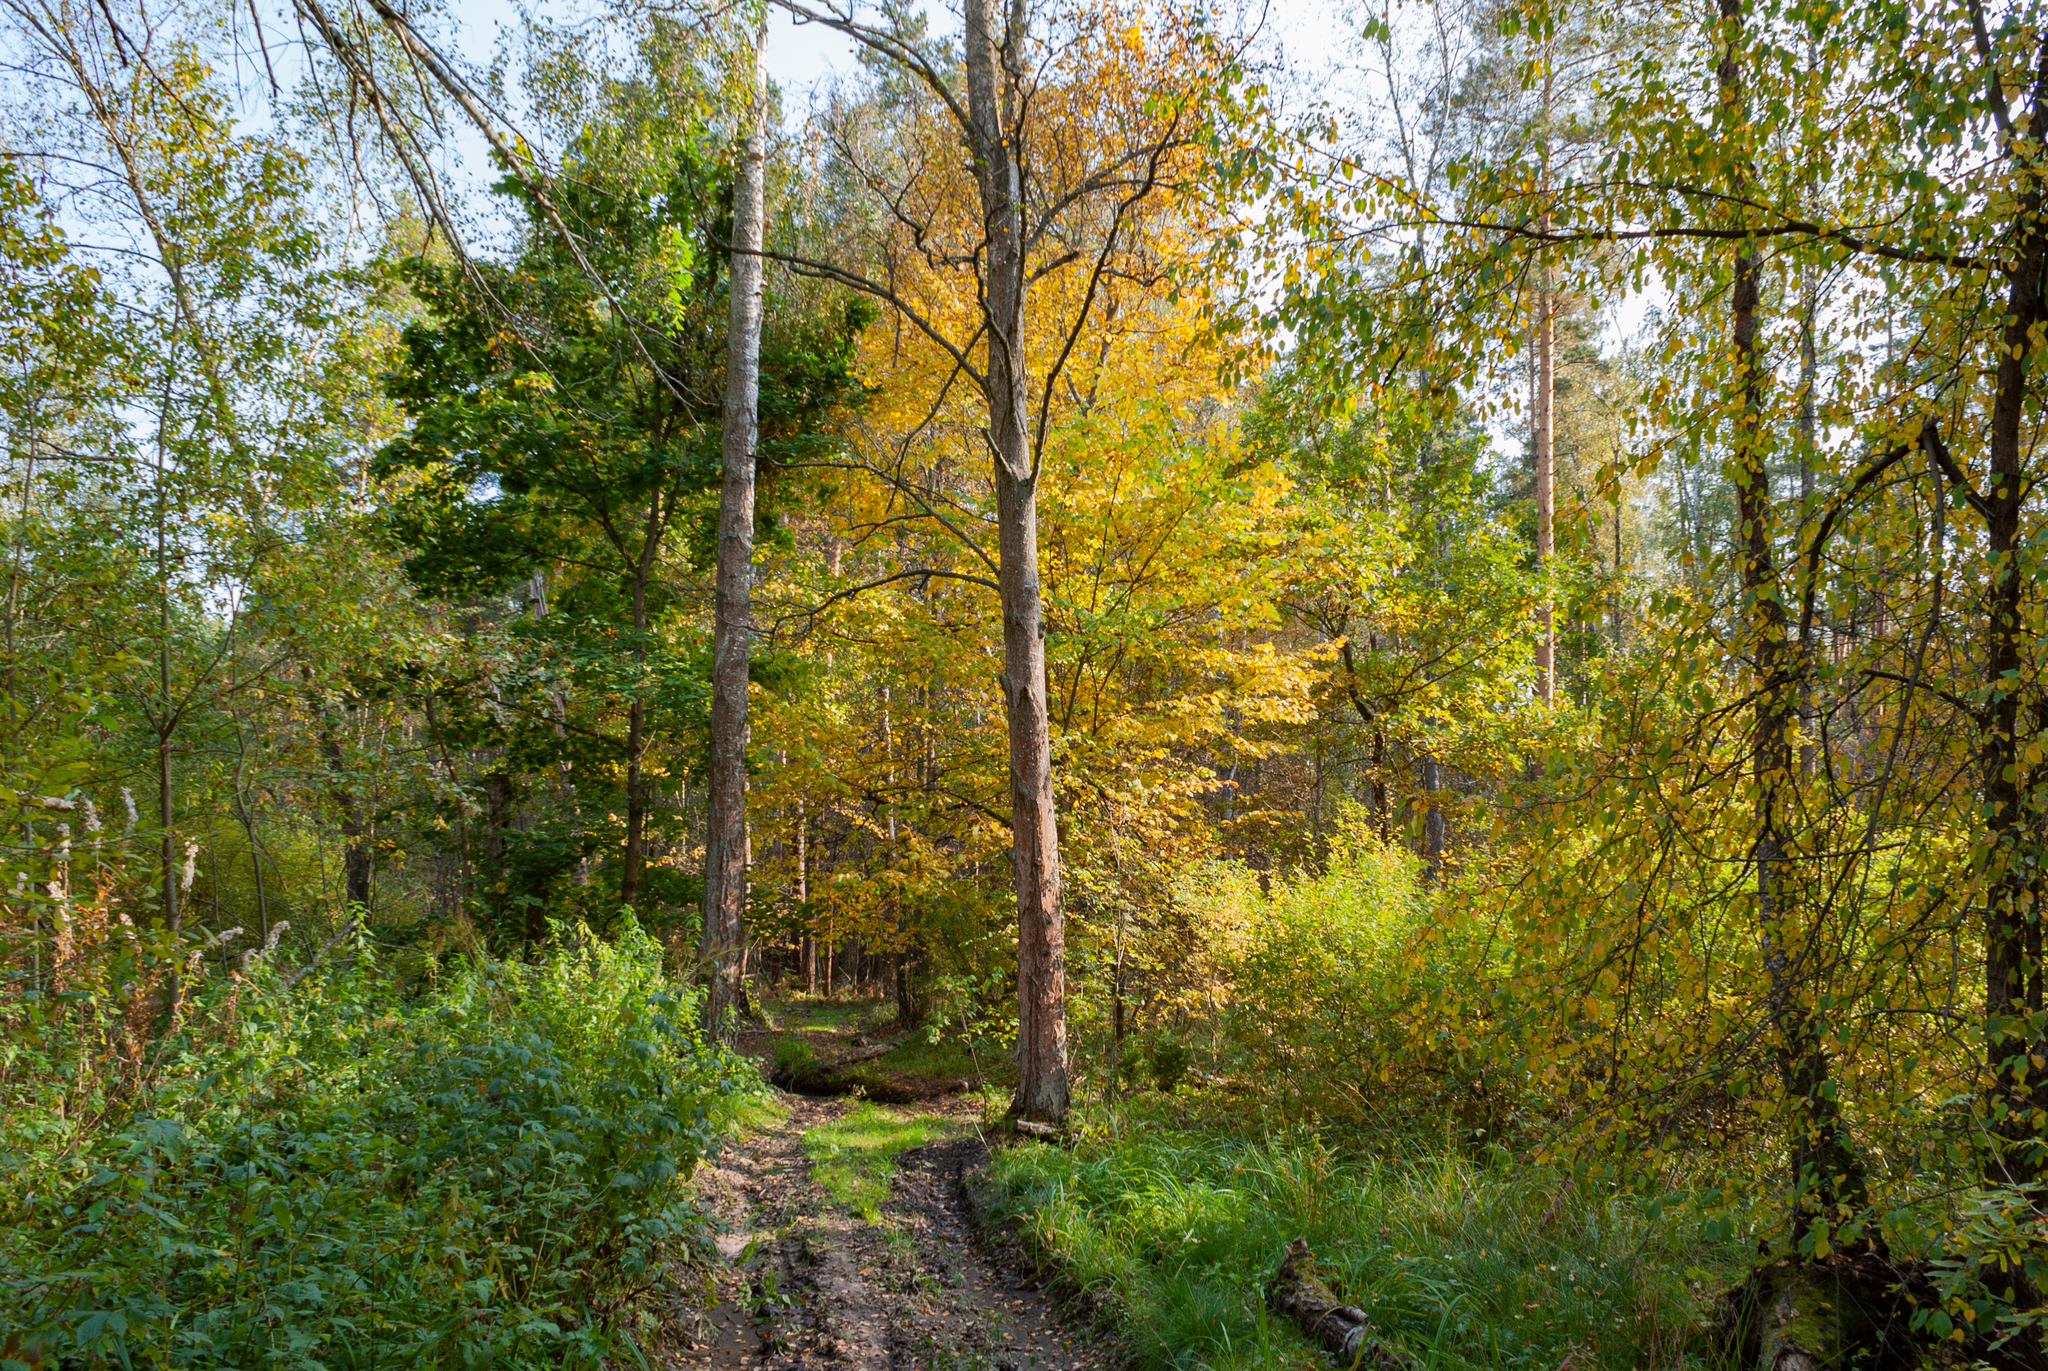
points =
(805, 1283)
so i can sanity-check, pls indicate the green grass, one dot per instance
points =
(815, 1014)
(854, 1156)
(813, 1031)
(752, 1112)
(1466, 1263)
(952, 1059)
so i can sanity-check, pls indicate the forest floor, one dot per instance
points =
(849, 1241)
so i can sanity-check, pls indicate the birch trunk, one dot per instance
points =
(1544, 418)
(725, 848)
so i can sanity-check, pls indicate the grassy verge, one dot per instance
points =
(854, 1156)
(1466, 1263)
(815, 1014)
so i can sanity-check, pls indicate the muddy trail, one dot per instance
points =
(906, 1286)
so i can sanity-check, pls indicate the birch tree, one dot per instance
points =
(723, 941)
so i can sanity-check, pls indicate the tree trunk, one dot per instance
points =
(355, 856)
(1544, 422)
(1826, 1178)
(166, 809)
(994, 103)
(636, 805)
(725, 845)
(1433, 837)
(1809, 376)
(1383, 811)
(807, 945)
(166, 801)
(2013, 974)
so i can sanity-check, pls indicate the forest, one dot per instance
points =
(1383, 666)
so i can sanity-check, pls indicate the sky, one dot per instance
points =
(800, 58)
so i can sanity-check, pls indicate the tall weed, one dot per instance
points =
(347, 1176)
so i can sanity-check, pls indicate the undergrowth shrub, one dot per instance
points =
(344, 1175)
(1332, 981)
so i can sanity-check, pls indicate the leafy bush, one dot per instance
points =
(478, 1175)
(1170, 1060)
(1335, 986)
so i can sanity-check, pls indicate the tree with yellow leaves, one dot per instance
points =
(1005, 197)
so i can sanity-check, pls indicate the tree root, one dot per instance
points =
(1853, 1307)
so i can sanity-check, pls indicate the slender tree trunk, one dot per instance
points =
(8, 668)
(1544, 418)
(248, 823)
(725, 844)
(994, 90)
(2015, 1042)
(1383, 810)
(807, 945)
(1826, 1177)
(636, 749)
(1614, 600)
(355, 853)
(167, 720)
(1433, 837)
(166, 810)
(1809, 376)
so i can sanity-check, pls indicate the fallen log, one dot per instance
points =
(859, 1054)
(1298, 1294)
(1045, 1132)
(829, 1076)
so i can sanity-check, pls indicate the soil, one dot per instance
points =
(803, 1283)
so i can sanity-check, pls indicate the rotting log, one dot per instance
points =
(859, 1054)
(829, 1077)
(1298, 1294)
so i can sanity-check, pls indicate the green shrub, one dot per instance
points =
(477, 1176)
(1337, 983)
(1170, 1060)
